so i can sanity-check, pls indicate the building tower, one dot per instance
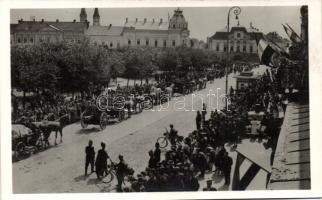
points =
(178, 21)
(83, 15)
(96, 18)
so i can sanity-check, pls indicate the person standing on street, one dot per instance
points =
(101, 161)
(198, 120)
(204, 112)
(90, 156)
(157, 153)
(121, 170)
(227, 163)
(173, 134)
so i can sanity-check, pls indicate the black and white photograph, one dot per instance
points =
(160, 99)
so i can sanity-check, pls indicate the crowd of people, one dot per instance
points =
(204, 150)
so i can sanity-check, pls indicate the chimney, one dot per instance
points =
(126, 20)
(136, 19)
(42, 20)
(74, 20)
(144, 20)
(57, 20)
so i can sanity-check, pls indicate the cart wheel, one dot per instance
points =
(103, 120)
(162, 141)
(83, 124)
(20, 151)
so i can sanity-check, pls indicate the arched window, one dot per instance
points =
(156, 43)
(31, 40)
(129, 42)
(111, 44)
(24, 40)
(173, 43)
(173, 26)
(19, 40)
(238, 35)
(138, 42)
(147, 42)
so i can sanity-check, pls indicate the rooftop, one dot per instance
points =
(148, 25)
(54, 25)
(105, 30)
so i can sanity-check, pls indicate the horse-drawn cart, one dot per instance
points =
(25, 142)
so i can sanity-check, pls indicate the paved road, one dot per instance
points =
(61, 168)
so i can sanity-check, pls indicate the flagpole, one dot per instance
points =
(237, 11)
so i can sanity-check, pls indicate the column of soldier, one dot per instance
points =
(203, 151)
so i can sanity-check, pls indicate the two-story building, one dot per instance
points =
(242, 42)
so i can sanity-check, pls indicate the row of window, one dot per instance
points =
(238, 48)
(147, 43)
(21, 40)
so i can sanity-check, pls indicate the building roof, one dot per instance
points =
(58, 26)
(148, 25)
(105, 30)
(222, 34)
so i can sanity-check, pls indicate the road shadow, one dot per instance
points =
(80, 178)
(88, 130)
(93, 181)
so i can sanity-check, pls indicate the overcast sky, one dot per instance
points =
(202, 22)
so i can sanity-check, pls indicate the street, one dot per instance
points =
(61, 168)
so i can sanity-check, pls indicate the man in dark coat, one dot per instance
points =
(157, 153)
(198, 120)
(209, 186)
(227, 163)
(90, 156)
(101, 161)
(121, 171)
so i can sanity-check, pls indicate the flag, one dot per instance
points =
(265, 52)
(291, 34)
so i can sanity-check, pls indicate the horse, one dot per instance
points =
(169, 90)
(47, 127)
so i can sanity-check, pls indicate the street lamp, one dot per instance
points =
(237, 11)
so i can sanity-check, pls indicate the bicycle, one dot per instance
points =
(164, 140)
(111, 172)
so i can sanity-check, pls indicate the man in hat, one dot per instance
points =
(209, 186)
(173, 134)
(90, 156)
(101, 161)
(121, 170)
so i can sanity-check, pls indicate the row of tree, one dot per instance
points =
(71, 67)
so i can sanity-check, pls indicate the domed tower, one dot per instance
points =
(83, 15)
(96, 18)
(178, 21)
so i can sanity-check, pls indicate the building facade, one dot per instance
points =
(242, 42)
(133, 33)
(136, 33)
(35, 32)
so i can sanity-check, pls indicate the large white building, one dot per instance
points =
(152, 33)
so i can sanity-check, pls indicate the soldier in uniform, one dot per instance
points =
(90, 156)
(121, 170)
(101, 161)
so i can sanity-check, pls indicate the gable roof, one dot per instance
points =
(222, 35)
(148, 25)
(105, 30)
(57, 26)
